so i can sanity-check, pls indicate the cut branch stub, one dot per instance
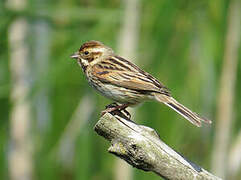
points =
(142, 147)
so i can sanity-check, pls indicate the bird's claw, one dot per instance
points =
(116, 109)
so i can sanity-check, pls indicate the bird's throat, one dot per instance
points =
(83, 64)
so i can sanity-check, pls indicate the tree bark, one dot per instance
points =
(142, 148)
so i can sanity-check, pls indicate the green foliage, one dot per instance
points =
(180, 42)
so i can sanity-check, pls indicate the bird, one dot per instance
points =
(124, 82)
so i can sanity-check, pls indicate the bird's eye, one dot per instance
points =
(86, 52)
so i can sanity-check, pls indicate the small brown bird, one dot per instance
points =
(125, 83)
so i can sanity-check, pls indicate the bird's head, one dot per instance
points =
(91, 52)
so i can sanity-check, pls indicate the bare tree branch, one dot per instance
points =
(142, 147)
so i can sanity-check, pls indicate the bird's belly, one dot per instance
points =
(120, 94)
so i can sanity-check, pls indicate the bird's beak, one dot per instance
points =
(75, 55)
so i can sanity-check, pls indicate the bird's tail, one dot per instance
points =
(182, 110)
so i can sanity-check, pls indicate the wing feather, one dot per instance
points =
(135, 79)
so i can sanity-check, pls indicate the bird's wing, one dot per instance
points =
(127, 75)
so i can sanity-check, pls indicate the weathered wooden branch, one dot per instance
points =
(142, 147)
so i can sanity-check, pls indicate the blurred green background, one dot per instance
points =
(48, 110)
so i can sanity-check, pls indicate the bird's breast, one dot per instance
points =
(116, 93)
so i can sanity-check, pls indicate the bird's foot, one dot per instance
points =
(116, 109)
(127, 114)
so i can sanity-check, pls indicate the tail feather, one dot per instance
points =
(182, 110)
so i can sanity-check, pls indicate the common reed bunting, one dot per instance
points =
(125, 83)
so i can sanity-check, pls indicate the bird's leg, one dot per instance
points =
(110, 108)
(123, 108)
(114, 107)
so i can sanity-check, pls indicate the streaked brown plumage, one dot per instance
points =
(125, 83)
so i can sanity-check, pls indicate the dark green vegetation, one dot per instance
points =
(180, 42)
